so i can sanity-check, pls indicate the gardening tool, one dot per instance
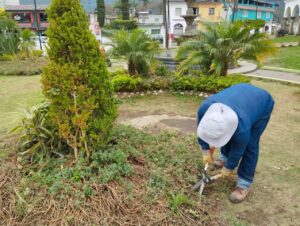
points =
(206, 179)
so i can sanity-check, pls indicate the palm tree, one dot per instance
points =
(219, 46)
(27, 43)
(137, 48)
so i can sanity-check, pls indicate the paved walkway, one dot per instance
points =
(276, 75)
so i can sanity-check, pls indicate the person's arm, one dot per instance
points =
(238, 146)
(201, 112)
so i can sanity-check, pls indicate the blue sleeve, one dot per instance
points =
(238, 146)
(201, 112)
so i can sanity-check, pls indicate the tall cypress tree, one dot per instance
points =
(125, 9)
(101, 12)
(76, 80)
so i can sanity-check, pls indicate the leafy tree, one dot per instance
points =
(101, 12)
(9, 34)
(76, 80)
(137, 48)
(27, 42)
(219, 46)
(125, 9)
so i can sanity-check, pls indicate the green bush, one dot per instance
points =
(123, 24)
(124, 82)
(38, 135)
(162, 71)
(211, 84)
(6, 57)
(76, 80)
(37, 53)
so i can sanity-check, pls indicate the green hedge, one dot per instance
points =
(121, 82)
(123, 24)
(210, 84)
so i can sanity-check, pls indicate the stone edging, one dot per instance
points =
(122, 95)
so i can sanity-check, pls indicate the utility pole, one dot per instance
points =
(37, 23)
(235, 4)
(166, 23)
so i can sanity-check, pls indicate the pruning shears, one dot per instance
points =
(206, 179)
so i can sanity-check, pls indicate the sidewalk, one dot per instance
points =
(276, 75)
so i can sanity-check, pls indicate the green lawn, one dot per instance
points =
(288, 57)
(16, 92)
(287, 38)
(272, 201)
(23, 67)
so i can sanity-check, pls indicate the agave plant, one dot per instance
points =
(219, 46)
(37, 134)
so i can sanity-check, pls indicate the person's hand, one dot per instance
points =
(226, 172)
(207, 157)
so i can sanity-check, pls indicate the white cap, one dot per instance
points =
(217, 125)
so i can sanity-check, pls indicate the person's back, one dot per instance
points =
(246, 100)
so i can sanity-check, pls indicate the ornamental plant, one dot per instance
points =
(76, 80)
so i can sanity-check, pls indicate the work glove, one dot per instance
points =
(208, 156)
(226, 172)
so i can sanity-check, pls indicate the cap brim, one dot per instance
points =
(231, 124)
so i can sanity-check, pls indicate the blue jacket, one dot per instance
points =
(253, 107)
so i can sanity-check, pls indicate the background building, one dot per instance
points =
(176, 23)
(153, 25)
(208, 11)
(291, 16)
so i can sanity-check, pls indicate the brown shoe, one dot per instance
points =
(218, 164)
(238, 195)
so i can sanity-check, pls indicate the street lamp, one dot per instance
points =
(38, 24)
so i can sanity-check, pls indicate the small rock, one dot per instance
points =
(181, 93)
(160, 91)
(142, 94)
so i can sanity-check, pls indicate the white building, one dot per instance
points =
(153, 25)
(176, 24)
(291, 16)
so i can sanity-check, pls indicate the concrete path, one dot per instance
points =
(244, 67)
(276, 75)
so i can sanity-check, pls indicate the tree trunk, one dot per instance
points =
(131, 68)
(224, 69)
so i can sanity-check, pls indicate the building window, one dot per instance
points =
(155, 31)
(43, 17)
(157, 20)
(178, 12)
(258, 14)
(195, 11)
(22, 17)
(268, 15)
(211, 11)
(245, 13)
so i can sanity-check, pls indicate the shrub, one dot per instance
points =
(6, 57)
(123, 82)
(123, 24)
(9, 34)
(211, 84)
(76, 80)
(37, 53)
(39, 136)
(162, 70)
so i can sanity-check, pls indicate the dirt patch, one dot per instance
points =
(184, 125)
(157, 123)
